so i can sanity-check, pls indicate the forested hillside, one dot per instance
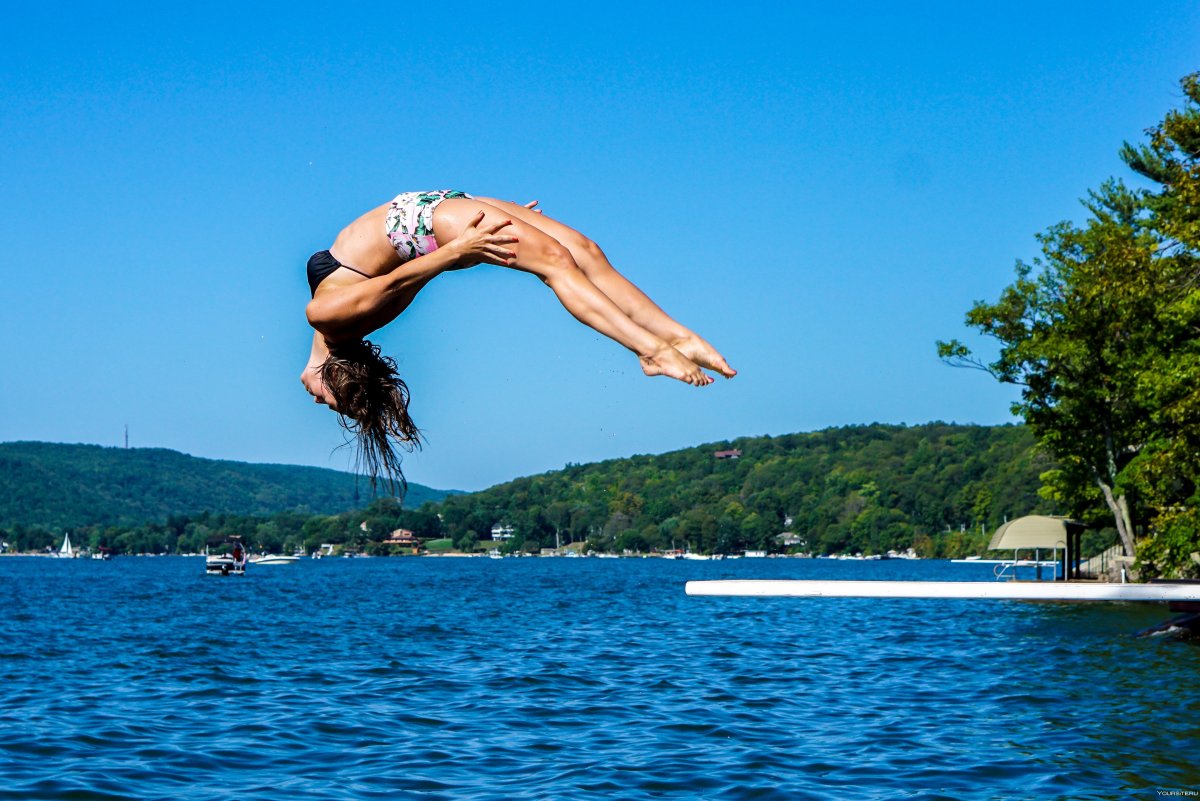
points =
(55, 486)
(941, 488)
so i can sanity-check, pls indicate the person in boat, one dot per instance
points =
(380, 261)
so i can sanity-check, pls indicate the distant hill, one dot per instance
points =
(56, 486)
(939, 487)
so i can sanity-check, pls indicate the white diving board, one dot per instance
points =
(1010, 590)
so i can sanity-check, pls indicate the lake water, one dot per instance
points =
(574, 679)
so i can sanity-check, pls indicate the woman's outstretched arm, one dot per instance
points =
(351, 312)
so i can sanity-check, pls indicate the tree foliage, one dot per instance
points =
(939, 488)
(360, 530)
(1167, 471)
(68, 486)
(865, 489)
(1100, 332)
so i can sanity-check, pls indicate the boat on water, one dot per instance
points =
(66, 551)
(273, 559)
(232, 563)
(103, 554)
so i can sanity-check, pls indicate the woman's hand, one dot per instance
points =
(475, 244)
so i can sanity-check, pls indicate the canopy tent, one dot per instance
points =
(1042, 532)
(1034, 531)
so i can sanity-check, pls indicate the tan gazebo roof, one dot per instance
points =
(1032, 531)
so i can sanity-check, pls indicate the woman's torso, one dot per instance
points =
(363, 246)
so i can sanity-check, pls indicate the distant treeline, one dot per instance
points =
(285, 532)
(60, 487)
(939, 488)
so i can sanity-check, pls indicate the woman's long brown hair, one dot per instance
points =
(372, 404)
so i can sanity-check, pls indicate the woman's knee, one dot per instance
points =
(553, 258)
(585, 251)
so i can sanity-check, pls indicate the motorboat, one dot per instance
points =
(232, 563)
(273, 559)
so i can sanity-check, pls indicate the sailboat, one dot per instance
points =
(66, 551)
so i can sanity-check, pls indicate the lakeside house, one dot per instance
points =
(404, 539)
(733, 453)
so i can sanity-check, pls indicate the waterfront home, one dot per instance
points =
(404, 539)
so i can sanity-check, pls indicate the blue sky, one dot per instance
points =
(821, 192)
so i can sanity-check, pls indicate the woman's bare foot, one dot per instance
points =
(673, 364)
(704, 354)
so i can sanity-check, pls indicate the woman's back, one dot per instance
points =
(363, 245)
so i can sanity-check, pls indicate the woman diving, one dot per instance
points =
(379, 263)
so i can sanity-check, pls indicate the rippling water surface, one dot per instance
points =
(573, 679)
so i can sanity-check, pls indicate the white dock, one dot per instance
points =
(1008, 590)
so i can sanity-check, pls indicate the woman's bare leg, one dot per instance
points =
(551, 261)
(631, 300)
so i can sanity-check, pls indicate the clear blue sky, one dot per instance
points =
(821, 192)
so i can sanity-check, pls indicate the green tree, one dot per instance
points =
(467, 542)
(1073, 330)
(1101, 334)
(1168, 469)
